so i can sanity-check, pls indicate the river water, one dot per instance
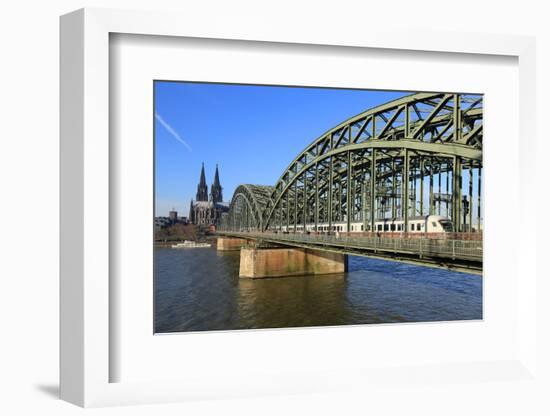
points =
(200, 290)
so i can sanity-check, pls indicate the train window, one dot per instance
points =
(362, 226)
(385, 227)
(434, 224)
(447, 226)
(412, 227)
(392, 227)
(379, 227)
(418, 227)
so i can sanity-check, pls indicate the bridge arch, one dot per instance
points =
(246, 208)
(402, 141)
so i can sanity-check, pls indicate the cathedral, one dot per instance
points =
(207, 210)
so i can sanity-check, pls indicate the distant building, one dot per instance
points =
(173, 215)
(208, 210)
(171, 219)
(161, 222)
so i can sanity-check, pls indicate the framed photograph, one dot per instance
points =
(339, 237)
(282, 213)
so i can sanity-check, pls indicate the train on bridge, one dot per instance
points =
(426, 224)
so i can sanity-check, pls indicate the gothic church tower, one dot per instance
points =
(202, 188)
(216, 189)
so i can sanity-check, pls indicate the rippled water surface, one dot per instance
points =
(200, 290)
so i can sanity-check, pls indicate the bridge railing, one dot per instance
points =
(461, 249)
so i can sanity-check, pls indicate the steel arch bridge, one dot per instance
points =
(416, 155)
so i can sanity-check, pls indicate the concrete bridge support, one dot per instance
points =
(280, 262)
(230, 243)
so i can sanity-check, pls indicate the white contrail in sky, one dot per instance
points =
(173, 132)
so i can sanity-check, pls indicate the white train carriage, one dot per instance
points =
(426, 224)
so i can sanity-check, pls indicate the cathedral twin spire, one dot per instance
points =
(202, 188)
(215, 190)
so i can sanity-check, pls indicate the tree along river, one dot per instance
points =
(199, 289)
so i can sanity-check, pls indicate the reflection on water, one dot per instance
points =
(199, 290)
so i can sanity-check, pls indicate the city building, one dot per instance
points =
(171, 219)
(208, 210)
(161, 222)
(173, 215)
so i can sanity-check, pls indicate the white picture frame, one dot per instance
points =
(86, 355)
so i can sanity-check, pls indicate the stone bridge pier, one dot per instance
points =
(284, 261)
(260, 260)
(230, 243)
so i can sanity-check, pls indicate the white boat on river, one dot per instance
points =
(190, 244)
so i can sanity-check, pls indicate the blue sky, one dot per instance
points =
(252, 132)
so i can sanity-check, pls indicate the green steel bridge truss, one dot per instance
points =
(417, 155)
